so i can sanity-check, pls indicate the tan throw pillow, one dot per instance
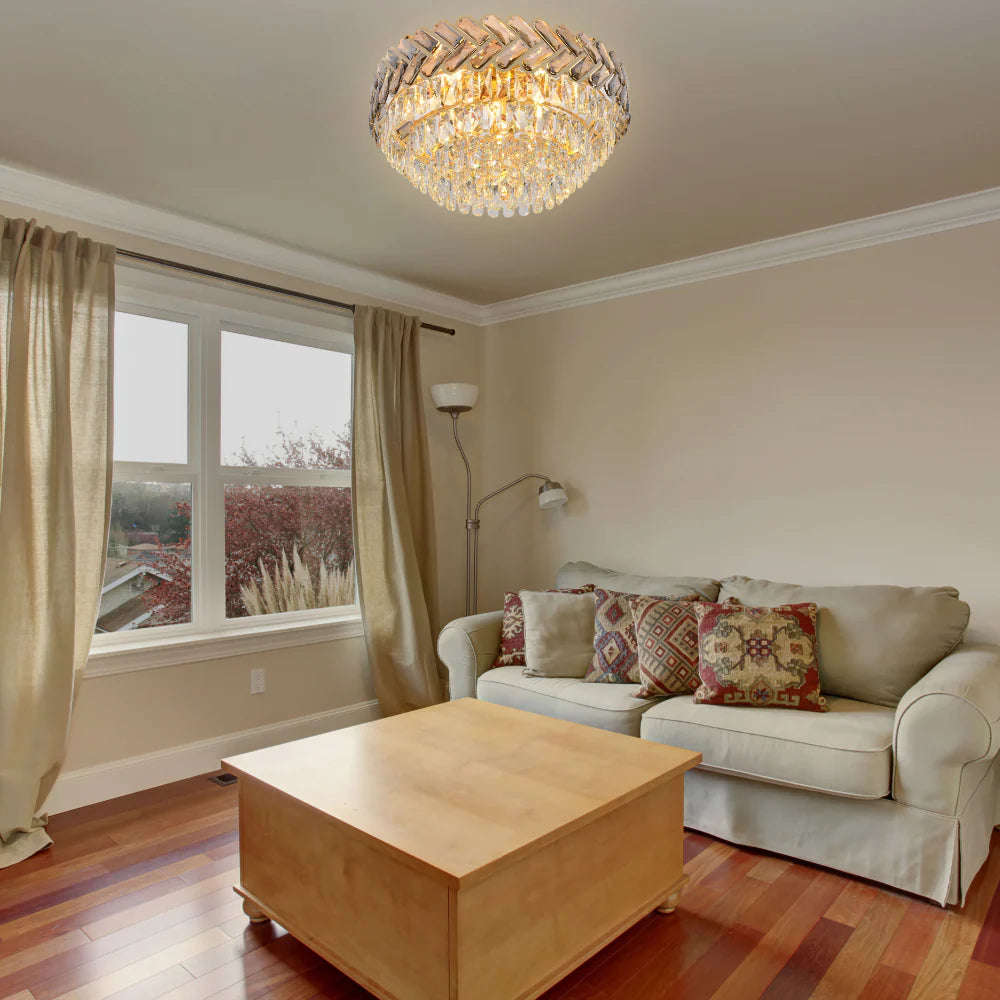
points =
(667, 643)
(512, 629)
(558, 633)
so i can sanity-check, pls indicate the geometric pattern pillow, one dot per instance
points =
(616, 659)
(512, 630)
(667, 643)
(762, 657)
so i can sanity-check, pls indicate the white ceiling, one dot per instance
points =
(749, 120)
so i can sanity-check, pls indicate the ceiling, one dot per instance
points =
(749, 121)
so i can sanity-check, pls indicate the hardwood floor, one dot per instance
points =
(134, 902)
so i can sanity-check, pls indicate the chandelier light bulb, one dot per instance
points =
(498, 117)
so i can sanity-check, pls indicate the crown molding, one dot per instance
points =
(921, 220)
(46, 194)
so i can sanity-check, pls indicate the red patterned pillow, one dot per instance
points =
(762, 657)
(616, 659)
(666, 634)
(512, 630)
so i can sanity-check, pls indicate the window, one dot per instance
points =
(286, 452)
(231, 500)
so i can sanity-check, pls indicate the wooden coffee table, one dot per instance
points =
(462, 852)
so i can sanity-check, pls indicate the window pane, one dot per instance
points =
(288, 548)
(151, 389)
(284, 405)
(147, 574)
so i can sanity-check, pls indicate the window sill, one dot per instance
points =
(192, 647)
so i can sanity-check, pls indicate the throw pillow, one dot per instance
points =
(763, 657)
(615, 659)
(512, 630)
(558, 633)
(666, 634)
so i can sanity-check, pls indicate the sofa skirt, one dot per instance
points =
(911, 849)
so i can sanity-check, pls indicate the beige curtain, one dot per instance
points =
(395, 551)
(56, 315)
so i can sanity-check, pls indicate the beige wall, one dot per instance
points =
(830, 421)
(834, 420)
(126, 715)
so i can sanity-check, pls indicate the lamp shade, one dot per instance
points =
(454, 397)
(551, 494)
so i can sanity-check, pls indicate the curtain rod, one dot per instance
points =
(249, 283)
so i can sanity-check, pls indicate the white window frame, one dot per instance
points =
(208, 308)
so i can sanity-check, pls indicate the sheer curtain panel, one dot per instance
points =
(395, 550)
(56, 318)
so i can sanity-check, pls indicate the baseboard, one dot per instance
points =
(87, 785)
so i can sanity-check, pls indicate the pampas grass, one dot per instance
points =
(291, 588)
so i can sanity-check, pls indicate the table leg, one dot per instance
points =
(256, 915)
(251, 909)
(670, 903)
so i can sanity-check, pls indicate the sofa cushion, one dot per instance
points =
(558, 633)
(512, 631)
(576, 574)
(667, 642)
(761, 657)
(616, 659)
(845, 751)
(875, 642)
(607, 706)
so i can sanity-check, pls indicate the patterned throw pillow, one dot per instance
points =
(762, 657)
(666, 634)
(512, 630)
(616, 658)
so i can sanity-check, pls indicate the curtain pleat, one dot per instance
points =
(56, 319)
(395, 552)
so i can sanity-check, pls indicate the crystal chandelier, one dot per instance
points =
(498, 116)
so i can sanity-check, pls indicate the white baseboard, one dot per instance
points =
(87, 785)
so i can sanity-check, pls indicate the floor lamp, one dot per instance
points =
(456, 398)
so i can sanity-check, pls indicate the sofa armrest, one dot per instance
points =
(947, 730)
(468, 647)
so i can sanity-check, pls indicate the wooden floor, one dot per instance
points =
(135, 902)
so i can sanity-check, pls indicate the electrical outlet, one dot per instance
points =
(257, 685)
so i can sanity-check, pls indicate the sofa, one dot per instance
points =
(897, 782)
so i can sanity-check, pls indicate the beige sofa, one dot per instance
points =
(898, 782)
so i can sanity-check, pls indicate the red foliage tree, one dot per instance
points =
(262, 522)
(170, 601)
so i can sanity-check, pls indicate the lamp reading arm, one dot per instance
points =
(472, 534)
(503, 489)
(455, 408)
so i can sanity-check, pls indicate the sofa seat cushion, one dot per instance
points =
(844, 751)
(606, 706)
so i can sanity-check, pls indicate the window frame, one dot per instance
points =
(208, 309)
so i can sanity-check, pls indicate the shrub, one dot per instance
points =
(292, 588)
